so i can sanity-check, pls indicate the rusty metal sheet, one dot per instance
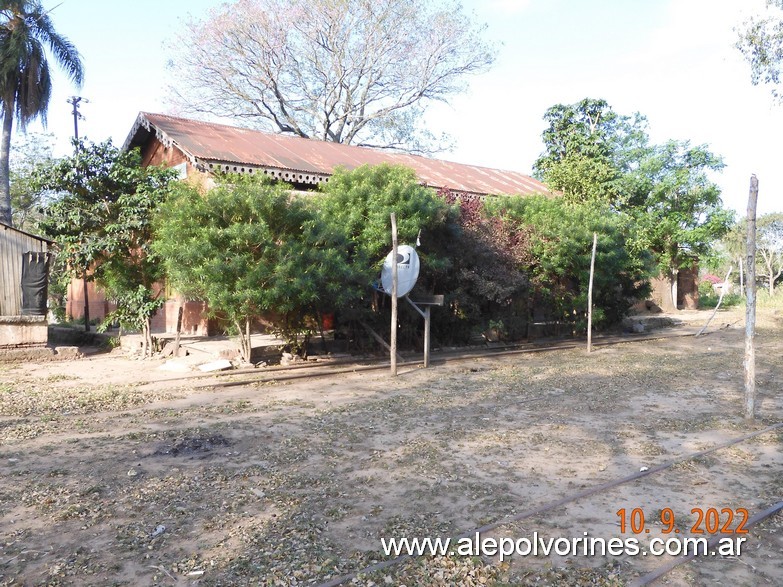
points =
(223, 143)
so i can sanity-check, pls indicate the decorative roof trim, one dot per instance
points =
(142, 122)
(279, 173)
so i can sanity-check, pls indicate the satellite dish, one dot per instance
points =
(407, 270)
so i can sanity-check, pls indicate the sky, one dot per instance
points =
(673, 61)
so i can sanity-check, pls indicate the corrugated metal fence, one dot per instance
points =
(13, 245)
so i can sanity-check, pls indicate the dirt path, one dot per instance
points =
(108, 481)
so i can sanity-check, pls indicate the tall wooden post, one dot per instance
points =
(86, 303)
(394, 297)
(590, 297)
(750, 304)
(180, 311)
(426, 337)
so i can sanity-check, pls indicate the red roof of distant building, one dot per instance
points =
(219, 147)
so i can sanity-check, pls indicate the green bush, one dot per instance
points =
(559, 261)
(708, 299)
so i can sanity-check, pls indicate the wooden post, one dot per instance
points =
(86, 304)
(590, 297)
(426, 336)
(750, 304)
(179, 328)
(394, 297)
(742, 277)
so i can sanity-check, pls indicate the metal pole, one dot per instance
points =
(74, 101)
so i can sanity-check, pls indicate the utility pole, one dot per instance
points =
(75, 101)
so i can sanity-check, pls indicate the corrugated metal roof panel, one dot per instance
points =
(222, 143)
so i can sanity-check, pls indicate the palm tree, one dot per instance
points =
(25, 80)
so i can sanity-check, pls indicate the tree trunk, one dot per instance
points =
(5, 164)
(248, 346)
(180, 311)
(771, 275)
(673, 278)
(144, 344)
(244, 339)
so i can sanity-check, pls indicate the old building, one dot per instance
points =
(200, 149)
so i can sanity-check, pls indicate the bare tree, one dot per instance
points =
(350, 71)
(760, 39)
(769, 245)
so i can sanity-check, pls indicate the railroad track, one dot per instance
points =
(334, 368)
(341, 367)
(558, 503)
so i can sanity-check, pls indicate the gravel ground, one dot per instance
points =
(120, 478)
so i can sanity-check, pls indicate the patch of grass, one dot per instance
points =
(59, 377)
(44, 401)
(773, 302)
(709, 301)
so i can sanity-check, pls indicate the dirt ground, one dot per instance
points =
(117, 472)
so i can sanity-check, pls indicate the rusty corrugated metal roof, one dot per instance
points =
(5, 226)
(214, 144)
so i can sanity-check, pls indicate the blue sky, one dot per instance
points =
(671, 60)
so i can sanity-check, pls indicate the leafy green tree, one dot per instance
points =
(130, 272)
(588, 147)
(485, 282)
(358, 203)
(26, 30)
(100, 216)
(247, 247)
(760, 40)
(677, 209)
(561, 236)
(592, 153)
